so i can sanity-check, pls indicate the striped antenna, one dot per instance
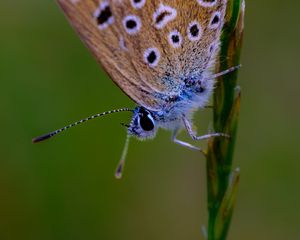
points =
(51, 134)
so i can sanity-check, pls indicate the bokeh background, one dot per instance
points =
(65, 188)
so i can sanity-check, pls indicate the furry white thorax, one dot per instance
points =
(171, 116)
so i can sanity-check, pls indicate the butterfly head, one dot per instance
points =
(143, 124)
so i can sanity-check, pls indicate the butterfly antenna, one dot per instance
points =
(121, 164)
(51, 134)
(229, 70)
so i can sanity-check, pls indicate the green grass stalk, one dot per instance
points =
(222, 181)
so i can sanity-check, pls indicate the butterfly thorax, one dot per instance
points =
(194, 94)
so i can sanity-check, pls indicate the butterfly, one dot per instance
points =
(161, 53)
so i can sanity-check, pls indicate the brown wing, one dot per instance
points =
(133, 41)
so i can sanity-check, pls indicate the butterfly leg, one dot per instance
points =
(184, 144)
(194, 136)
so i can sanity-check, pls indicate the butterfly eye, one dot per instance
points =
(146, 121)
(207, 3)
(175, 39)
(194, 31)
(152, 56)
(215, 20)
(137, 4)
(132, 24)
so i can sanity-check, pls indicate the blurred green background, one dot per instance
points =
(65, 188)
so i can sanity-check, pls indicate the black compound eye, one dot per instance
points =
(146, 121)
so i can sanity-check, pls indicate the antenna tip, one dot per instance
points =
(41, 138)
(119, 171)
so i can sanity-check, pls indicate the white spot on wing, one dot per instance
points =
(204, 3)
(192, 34)
(175, 39)
(213, 48)
(97, 13)
(138, 4)
(132, 24)
(149, 59)
(215, 20)
(122, 44)
(170, 14)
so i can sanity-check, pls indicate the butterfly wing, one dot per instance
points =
(146, 46)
